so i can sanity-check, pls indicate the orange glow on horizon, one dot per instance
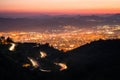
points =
(60, 6)
(81, 11)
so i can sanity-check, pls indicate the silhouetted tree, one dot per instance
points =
(2, 39)
(9, 40)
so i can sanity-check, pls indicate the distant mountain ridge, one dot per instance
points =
(54, 22)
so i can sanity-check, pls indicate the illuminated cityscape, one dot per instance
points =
(69, 38)
(59, 39)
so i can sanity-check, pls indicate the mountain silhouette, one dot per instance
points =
(98, 60)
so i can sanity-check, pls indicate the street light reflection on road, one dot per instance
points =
(34, 62)
(42, 54)
(12, 47)
(62, 65)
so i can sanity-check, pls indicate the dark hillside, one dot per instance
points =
(99, 60)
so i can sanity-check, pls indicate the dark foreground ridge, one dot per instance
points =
(98, 60)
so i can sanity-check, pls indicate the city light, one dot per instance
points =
(68, 38)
